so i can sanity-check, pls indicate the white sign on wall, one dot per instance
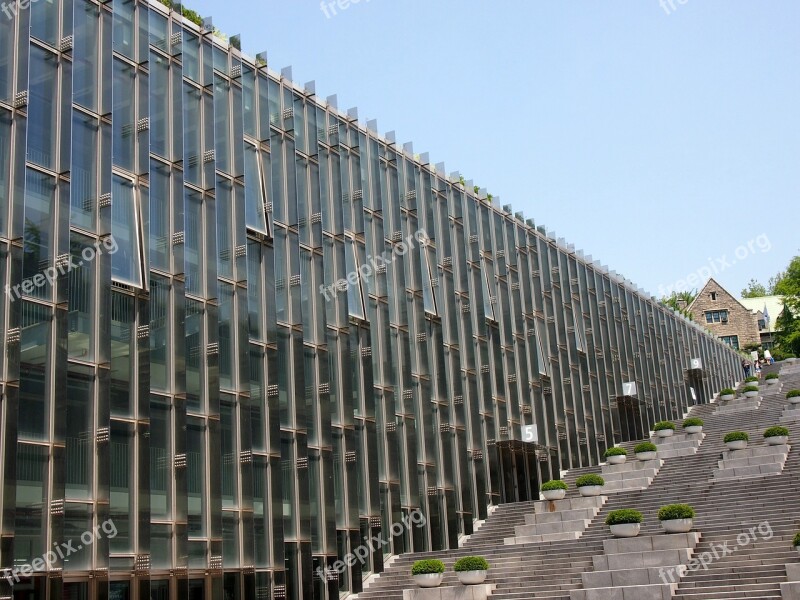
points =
(697, 363)
(529, 433)
(629, 388)
(694, 395)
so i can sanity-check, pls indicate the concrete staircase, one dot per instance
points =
(745, 524)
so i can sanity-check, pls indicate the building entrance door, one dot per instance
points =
(630, 419)
(519, 479)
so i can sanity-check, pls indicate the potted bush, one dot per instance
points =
(625, 522)
(554, 489)
(772, 378)
(751, 381)
(693, 425)
(428, 573)
(676, 518)
(750, 391)
(616, 455)
(646, 451)
(664, 429)
(793, 396)
(774, 436)
(471, 569)
(590, 484)
(727, 394)
(736, 440)
(796, 542)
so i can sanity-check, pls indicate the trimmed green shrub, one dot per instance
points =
(427, 567)
(736, 436)
(692, 422)
(749, 379)
(727, 392)
(776, 431)
(675, 511)
(471, 563)
(589, 479)
(662, 425)
(750, 388)
(796, 541)
(645, 447)
(771, 376)
(193, 16)
(553, 484)
(793, 394)
(616, 451)
(624, 516)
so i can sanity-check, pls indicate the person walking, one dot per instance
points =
(746, 367)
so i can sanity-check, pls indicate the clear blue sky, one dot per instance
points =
(655, 142)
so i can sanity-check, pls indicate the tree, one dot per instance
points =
(754, 290)
(680, 301)
(788, 322)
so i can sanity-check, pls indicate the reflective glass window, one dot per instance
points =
(126, 262)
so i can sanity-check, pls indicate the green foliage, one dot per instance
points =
(750, 388)
(749, 379)
(793, 394)
(788, 323)
(589, 479)
(771, 376)
(754, 290)
(736, 436)
(426, 567)
(471, 563)
(616, 452)
(776, 431)
(679, 302)
(167, 3)
(692, 422)
(675, 511)
(624, 516)
(796, 541)
(727, 392)
(645, 447)
(193, 16)
(662, 425)
(554, 484)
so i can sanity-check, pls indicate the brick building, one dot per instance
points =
(725, 316)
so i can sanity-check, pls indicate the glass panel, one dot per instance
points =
(124, 122)
(159, 333)
(126, 264)
(255, 291)
(222, 124)
(160, 555)
(38, 235)
(43, 108)
(5, 167)
(226, 335)
(254, 190)
(77, 520)
(123, 27)
(160, 208)
(229, 462)
(194, 347)
(82, 304)
(160, 108)
(196, 475)
(79, 451)
(44, 20)
(30, 526)
(160, 458)
(83, 174)
(123, 351)
(193, 256)
(121, 459)
(225, 242)
(35, 343)
(355, 301)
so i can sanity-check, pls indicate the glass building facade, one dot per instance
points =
(242, 334)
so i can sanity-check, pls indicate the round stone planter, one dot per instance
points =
(727, 397)
(737, 445)
(776, 440)
(750, 394)
(797, 548)
(665, 433)
(429, 580)
(626, 530)
(677, 525)
(794, 400)
(590, 490)
(472, 577)
(773, 381)
(617, 459)
(692, 429)
(549, 495)
(646, 456)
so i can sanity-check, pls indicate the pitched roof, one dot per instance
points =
(774, 306)
(720, 286)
